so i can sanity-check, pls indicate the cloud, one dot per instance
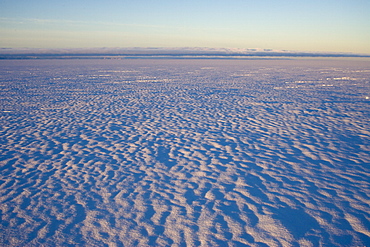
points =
(61, 22)
(178, 52)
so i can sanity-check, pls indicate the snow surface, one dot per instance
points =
(153, 152)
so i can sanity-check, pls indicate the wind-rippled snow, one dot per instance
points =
(153, 152)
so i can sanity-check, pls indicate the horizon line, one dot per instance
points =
(168, 52)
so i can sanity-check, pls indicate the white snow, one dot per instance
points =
(155, 152)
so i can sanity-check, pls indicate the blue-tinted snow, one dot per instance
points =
(184, 153)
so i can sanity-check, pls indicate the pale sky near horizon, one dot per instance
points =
(300, 25)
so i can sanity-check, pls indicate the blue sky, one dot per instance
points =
(315, 25)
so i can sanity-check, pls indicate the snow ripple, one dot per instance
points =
(167, 153)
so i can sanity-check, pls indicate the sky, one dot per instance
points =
(297, 25)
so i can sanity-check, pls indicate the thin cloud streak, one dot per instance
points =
(22, 21)
(74, 22)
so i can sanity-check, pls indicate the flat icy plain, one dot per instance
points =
(155, 152)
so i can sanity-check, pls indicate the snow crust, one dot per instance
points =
(184, 153)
